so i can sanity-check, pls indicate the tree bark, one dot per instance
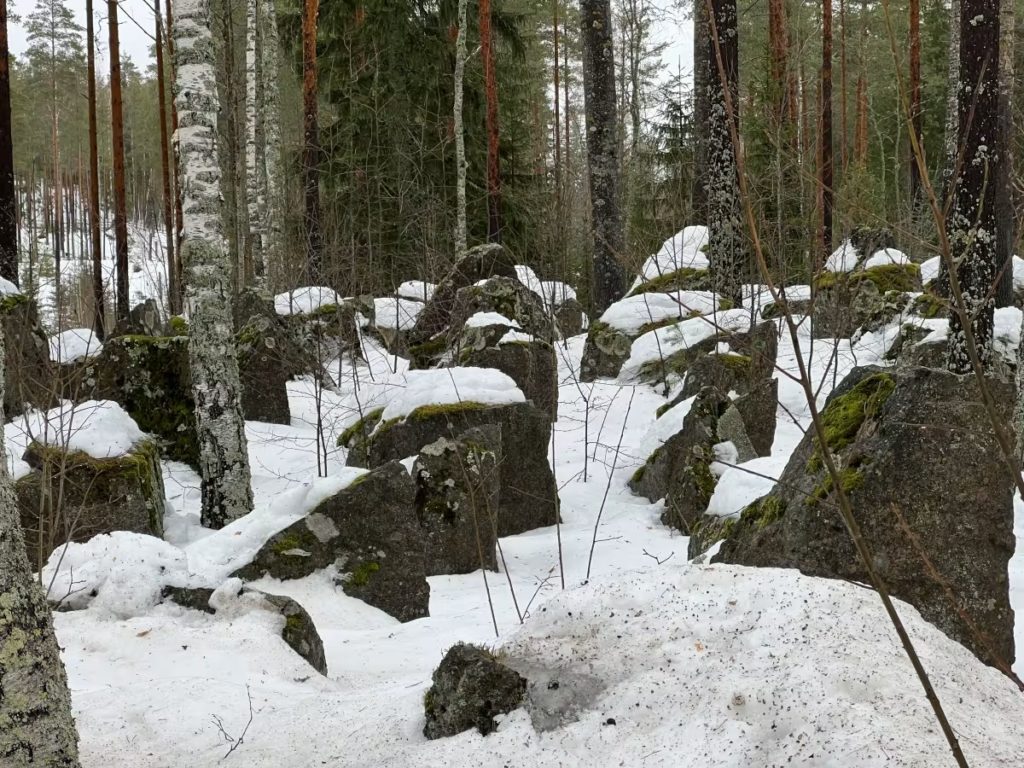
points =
(602, 152)
(8, 197)
(1006, 225)
(99, 308)
(971, 225)
(915, 97)
(255, 115)
(311, 136)
(117, 142)
(701, 110)
(36, 724)
(729, 267)
(825, 165)
(173, 291)
(491, 94)
(209, 292)
(178, 214)
(952, 102)
(273, 189)
(460, 135)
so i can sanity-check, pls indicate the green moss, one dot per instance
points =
(687, 279)
(293, 623)
(429, 411)
(324, 310)
(764, 512)
(178, 326)
(738, 364)
(648, 327)
(703, 477)
(725, 304)
(845, 414)
(427, 352)
(292, 541)
(663, 409)
(850, 479)
(887, 277)
(930, 306)
(360, 429)
(638, 476)
(11, 301)
(361, 575)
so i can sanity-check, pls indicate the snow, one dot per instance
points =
(448, 386)
(515, 337)
(74, 345)
(396, 313)
(930, 269)
(886, 257)
(843, 259)
(556, 293)
(484, 319)
(684, 250)
(633, 312)
(304, 301)
(7, 288)
(418, 290)
(529, 278)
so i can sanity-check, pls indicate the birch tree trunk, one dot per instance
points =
(224, 461)
(602, 151)
(460, 137)
(728, 266)
(36, 725)
(971, 225)
(255, 116)
(273, 189)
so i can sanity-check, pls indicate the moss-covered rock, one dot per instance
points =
(509, 298)
(922, 471)
(532, 365)
(356, 437)
(458, 492)
(866, 298)
(529, 497)
(470, 687)
(605, 352)
(686, 279)
(71, 496)
(370, 533)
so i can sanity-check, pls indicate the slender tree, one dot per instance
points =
(255, 168)
(99, 309)
(914, 10)
(971, 224)
(178, 214)
(271, 169)
(460, 131)
(491, 96)
(35, 704)
(223, 457)
(117, 141)
(173, 290)
(825, 164)
(728, 265)
(609, 279)
(8, 197)
(701, 110)
(311, 143)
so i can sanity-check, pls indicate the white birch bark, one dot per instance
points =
(36, 726)
(255, 169)
(224, 461)
(273, 190)
(460, 137)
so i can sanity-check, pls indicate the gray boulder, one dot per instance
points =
(509, 298)
(529, 498)
(605, 352)
(299, 631)
(458, 491)
(266, 362)
(144, 319)
(569, 318)
(864, 298)
(369, 531)
(470, 688)
(71, 496)
(31, 378)
(532, 365)
(924, 475)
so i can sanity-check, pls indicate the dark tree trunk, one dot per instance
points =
(117, 137)
(173, 292)
(98, 312)
(1006, 224)
(825, 164)
(491, 93)
(729, 267)
(971, 224)
(311, 137)
(915, 97)
(602, 151)
(8, 197)
(701, 110)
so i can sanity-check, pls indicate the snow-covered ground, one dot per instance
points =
(686, 665)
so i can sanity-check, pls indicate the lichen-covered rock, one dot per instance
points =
(605, 352)
(470, 688)
(759, 410)
(458, 492)
(529, 497)
(532, 365)
(478, 263)
(143, 319)
(71, 496)
(266, 362)
(370, 533)
(509, 298)
(299, 631)
(924, 475)
(869, 240)
(569, 318)
(150, 377)
(865, 298)
(30, 374)
(685, 279)
(680, 470)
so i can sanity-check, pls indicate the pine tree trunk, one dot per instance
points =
(558, 117)
(1005, 196)
(825, 169)
(99, 309)
(224, 461)
(173, 291)
(460, 135)
(117, 137)
(915, 97)
(701, 110)
(971, 225)
(36, 725)
(602, 152)
(311, 136)
(8, 198)
(844, 127)
(729, 268)
(491, 95)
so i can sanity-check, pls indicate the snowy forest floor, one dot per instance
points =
(684, 664)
